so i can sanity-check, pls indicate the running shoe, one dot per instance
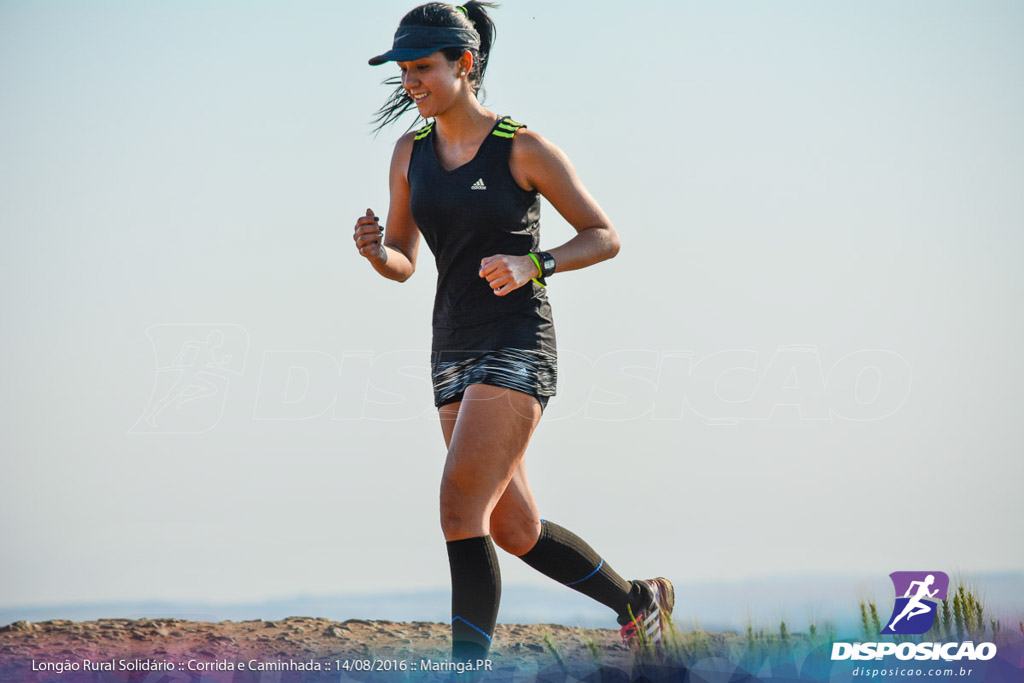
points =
(647, 626)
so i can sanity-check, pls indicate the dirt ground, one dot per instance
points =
(296, 649)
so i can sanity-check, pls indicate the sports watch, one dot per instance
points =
(547, 262)
(545, 265)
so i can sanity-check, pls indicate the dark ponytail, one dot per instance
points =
(483, 24)
(446, 16)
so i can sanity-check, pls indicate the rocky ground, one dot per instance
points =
(294, 649)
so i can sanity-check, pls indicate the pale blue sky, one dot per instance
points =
(818, 204)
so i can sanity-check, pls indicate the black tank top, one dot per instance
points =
(473, 211)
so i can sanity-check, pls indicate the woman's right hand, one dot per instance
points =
(369, 235)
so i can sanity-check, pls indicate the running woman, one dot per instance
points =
(470, 182)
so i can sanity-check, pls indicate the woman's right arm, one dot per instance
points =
(393, 252)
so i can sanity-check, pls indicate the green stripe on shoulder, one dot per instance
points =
(424, 131)
(507, 128)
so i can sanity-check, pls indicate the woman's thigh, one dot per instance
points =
(515, 520)
(487, 434)
(449, 412)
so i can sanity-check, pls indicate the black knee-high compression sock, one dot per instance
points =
(476, 592)
(566, 558)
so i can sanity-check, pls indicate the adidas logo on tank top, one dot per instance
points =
(478, 185)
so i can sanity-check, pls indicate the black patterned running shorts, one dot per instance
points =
(531, 372)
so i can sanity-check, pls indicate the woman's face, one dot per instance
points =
(432, 82)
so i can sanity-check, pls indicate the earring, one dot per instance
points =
(462, 73)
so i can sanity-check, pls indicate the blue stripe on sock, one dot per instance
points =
(471, 626)
(588, 575)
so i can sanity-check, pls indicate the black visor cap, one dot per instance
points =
(416, 42)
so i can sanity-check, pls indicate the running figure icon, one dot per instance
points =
(916, 605)
(194, 365)
(917, 594)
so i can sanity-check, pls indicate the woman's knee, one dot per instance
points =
(514, 533)
(459, 511)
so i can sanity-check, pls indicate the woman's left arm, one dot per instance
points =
(538, 164)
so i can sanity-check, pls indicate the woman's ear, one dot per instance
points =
(466, 63)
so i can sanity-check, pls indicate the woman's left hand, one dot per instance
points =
(505, 273)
